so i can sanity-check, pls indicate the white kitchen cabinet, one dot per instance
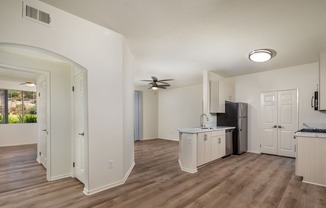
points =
(322, 81)
(311, 160)
(203, 148)
(216, 96)
(210, 146)
(229, 90)
(217, 144)
(198, 146)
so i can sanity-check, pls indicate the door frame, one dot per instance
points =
(48, 116)
(138, 115)
(260, 114)
(85, 111)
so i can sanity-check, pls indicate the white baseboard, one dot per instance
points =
(317, 184)
(253, 151)
(187, 169)
(38, 160)
(169, 139)
(111, 185)
(68, 175)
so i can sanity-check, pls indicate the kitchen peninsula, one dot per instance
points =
(198, 146)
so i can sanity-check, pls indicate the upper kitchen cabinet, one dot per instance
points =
(322, 81)
(216, 96)
(217, 90)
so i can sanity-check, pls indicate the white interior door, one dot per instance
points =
(79, 126)
(268, 123)
(287, 121)
(279, 121)
(42, 121)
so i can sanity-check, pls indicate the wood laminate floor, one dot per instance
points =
(248, 180)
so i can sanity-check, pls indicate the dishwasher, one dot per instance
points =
(229, 142)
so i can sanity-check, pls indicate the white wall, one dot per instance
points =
(100, 51)
(128, 110)
(18, 134)
(179, 108)
(249, 87)
(150, 114)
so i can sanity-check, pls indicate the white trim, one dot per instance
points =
(10, 145)
(67, 175)
(187, 169)
(254, 151)
(317, 184)
(111, 185)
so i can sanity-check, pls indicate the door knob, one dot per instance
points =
(279, 126)
(81, 134)
(274, 126)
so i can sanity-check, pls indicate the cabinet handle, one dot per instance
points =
(219, 140)
(205, 137)
(279, 126)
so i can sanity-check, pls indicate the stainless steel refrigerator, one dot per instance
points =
(236, 114)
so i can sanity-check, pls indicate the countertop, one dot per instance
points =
(196, 130)
(310, 134)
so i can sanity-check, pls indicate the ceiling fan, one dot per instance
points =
(28, 84)
(156, 84)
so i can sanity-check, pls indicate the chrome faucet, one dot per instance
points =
(201, 120)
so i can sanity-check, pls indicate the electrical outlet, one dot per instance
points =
(110, 165)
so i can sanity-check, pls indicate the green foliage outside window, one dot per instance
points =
(21, 106)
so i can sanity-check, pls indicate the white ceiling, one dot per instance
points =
(181, 38)
(23, 76)
(17, 76)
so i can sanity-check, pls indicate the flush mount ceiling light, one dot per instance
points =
(261, 55)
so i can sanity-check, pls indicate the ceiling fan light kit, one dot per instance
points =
(261, 55)
(28, 84)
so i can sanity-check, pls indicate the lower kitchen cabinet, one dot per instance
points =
(210, 146)
(311, 159)
(218, 144)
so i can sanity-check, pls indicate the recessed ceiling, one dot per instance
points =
(179, 39)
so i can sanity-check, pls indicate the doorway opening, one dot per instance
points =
(57, 145)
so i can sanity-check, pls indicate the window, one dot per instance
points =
(17, 106)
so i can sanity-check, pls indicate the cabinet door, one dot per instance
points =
(213, 96)
(221, 146)
(322, 81)
(215, 152)
(217, 144)
(202, 143)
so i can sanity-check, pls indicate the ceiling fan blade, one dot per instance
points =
(165, 85)
(146, 80)
(164, 80)
(162, 87)
(154, 78)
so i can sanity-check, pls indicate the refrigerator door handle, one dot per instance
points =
(240, 127)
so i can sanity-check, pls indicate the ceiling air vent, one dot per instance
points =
(31, 12)
(36, 15)
(44, 17)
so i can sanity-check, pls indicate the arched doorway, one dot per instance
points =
(59, 132)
